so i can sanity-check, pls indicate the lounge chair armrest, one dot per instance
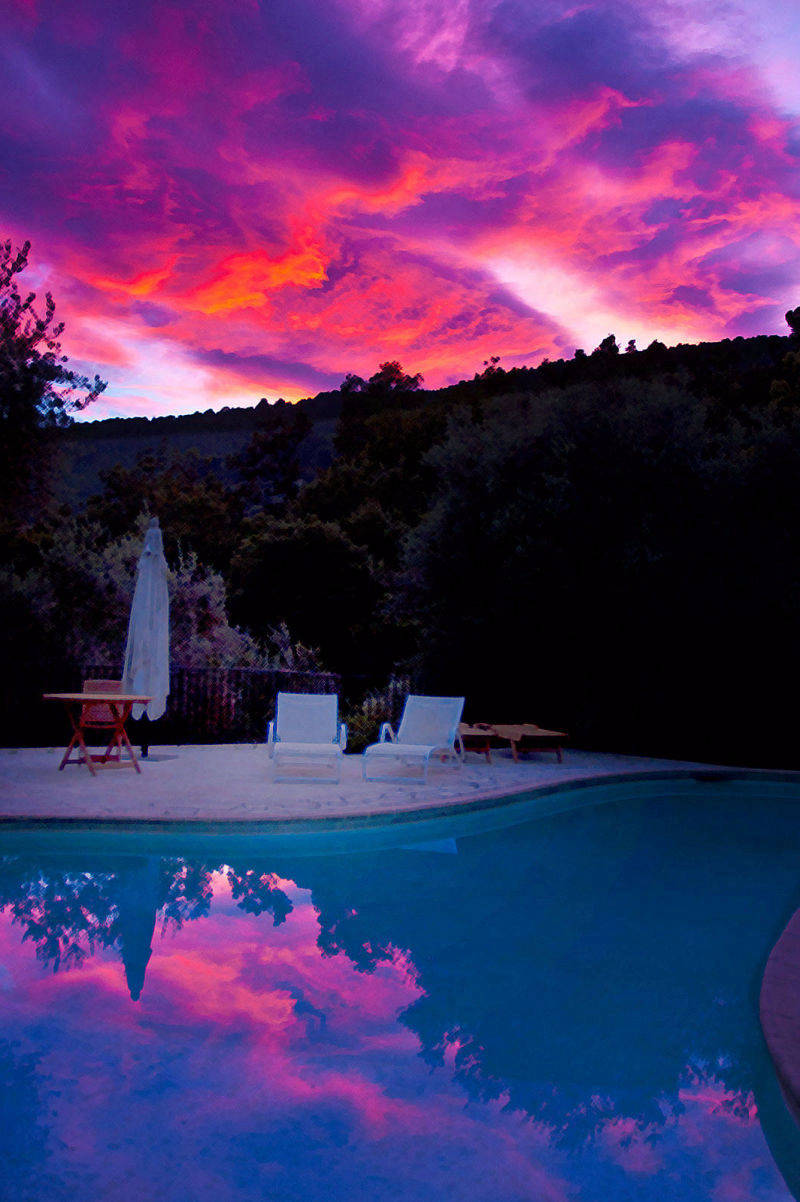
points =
(387, 734)
(343, 735)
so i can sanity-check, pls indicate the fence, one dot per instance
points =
(205, 705)
(222, 705)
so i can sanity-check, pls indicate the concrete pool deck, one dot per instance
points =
(779, 1007)
(224, 782)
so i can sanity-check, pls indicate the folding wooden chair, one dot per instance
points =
(95, 715)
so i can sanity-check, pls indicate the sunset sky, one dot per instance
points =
(237, 200)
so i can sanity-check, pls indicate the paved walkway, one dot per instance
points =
(780, 1011)
(234, 783)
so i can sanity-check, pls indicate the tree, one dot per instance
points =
(308, 574)
(390, 388)
(198, 513)
(382, 489)
(390, 377)
(38, 392)
(607, 347)
(785, 388)
(793, 321)
(269, 467)
(375, 497)
(490, 368)
(644, 535)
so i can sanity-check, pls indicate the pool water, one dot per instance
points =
(513, 1005)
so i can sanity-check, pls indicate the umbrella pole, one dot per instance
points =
(145, 747)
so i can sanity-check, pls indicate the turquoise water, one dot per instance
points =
(508, 1006)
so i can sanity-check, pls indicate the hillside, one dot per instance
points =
(738, 362)
(87, 449)
(731, 374)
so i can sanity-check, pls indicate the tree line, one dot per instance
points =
(607, 544)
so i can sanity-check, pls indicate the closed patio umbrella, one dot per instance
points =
(146, 667)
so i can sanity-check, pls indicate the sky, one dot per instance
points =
(236, 200)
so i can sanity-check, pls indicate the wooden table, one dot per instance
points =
(522, 736)
(119, 706)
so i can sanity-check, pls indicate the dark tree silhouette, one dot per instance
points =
(389, 389)
(281, 572)
(197, 511)
(38, 392)
(648, 532)
(256, 891)
(793, 321)
(269, 465)
(607, 347)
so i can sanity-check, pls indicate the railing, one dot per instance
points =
(221, 705)
(205, 705)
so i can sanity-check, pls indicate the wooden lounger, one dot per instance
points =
(522, 736)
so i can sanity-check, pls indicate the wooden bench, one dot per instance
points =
(481, 737)
(526, 736)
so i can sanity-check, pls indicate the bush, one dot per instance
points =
(364, 721)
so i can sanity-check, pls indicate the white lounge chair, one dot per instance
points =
(307, 730)
(429, 727)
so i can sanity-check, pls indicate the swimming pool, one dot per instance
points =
(508, 1005)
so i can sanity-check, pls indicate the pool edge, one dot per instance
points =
(454, 806)
(779, 1012)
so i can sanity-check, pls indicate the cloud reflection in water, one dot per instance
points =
(392, 1025)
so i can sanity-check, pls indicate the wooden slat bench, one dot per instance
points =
(522, 737)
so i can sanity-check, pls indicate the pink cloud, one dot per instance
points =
(226, 181)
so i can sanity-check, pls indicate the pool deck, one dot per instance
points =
(219, 783)
(780, 1011)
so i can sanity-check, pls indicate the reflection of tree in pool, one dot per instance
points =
(256, 890)
(594, 955)
(68, 913)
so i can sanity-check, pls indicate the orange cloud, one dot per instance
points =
(143, 284)
(244, 281)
